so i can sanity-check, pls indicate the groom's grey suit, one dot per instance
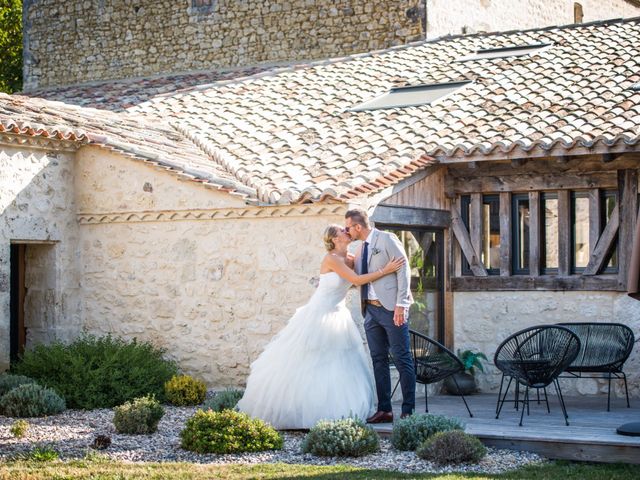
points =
(382, 334)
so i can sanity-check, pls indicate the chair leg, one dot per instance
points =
(426, 401)
(525, 401)
(499, 394)
(538, 394)
(517, 400)
(395, 388)
(609, 394)
(504, 397)
(547, 400)
(626, 390)
(465, 402)
(562, 405)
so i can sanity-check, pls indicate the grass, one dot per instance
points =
(96, 467)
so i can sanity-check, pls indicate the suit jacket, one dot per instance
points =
(393, 289)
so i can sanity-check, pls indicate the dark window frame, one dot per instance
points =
(604, 195)
(489, 199)
(574, 195)
(517, 269)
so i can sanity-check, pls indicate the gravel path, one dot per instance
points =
(71, 433)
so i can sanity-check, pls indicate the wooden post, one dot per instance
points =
(534, 233)
(564, 232)
(628, 211)
(505, 234)
(595, 226)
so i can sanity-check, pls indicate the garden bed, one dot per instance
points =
(71, 433)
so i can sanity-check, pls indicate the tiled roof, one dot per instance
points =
(119, 95)
(153, 142)
(289, 133)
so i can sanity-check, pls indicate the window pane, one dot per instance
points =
(491, 232)
(609, 204)
(580, 231)
(550, 212)
(522, 235)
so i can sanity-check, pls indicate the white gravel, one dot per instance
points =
(71, 433)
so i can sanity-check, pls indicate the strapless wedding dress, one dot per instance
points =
(315, 368)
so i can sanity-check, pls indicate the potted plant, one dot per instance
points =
(466, 379)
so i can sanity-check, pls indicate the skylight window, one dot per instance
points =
(503, 52)
(411, 96)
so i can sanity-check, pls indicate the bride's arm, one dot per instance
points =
(334, 264)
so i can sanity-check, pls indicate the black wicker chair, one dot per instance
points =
(604, 347)
(535, 357)
(433, 362)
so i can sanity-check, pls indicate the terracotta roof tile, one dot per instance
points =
(153, 142)
(289, 134)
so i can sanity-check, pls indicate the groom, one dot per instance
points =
(385, 306)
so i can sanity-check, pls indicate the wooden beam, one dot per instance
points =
(462, 236)
(418, 217)
(584, 164)
(534, 233)
(545, 282)
(595, 215)
(505, 234)
(475, 223)
(564, 232)
(628, 202)
(603, 245)
(534, 182)
(609, 157)
(518, 162)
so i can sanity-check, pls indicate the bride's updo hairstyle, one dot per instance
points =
(330, 233)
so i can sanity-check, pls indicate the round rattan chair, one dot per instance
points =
(535, 357)
(433, 362)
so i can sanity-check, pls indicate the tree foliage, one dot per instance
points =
(10, 45)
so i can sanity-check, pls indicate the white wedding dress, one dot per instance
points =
(315, 368)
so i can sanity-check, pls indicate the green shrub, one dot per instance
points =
(185, 390)
(19, 428)
(101, 372)
(228, 432)
(348, 437)
(410, 432)
(225, 400)
(139, 416)
(8, 382)
(31, 400)
(453, 447)
(42, 453)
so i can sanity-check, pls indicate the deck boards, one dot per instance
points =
(591, 434)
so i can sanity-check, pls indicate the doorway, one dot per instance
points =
(425, 250)
(17, 330)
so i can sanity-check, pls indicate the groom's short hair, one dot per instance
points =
(359, 216)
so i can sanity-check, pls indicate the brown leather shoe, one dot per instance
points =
(405, 415)
(381, 417)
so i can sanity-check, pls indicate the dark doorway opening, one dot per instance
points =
(17, 331)
(425, 249)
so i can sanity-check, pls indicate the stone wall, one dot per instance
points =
(37, 207)
(482, 320)
(84, 40)
(212, 292)
(469, 16)
(90, 40)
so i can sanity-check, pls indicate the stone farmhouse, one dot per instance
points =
(188, 209)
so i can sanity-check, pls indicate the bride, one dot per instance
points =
(316, 367)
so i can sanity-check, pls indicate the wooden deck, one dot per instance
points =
(591, 434)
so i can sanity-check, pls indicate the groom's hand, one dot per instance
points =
(399, 317)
